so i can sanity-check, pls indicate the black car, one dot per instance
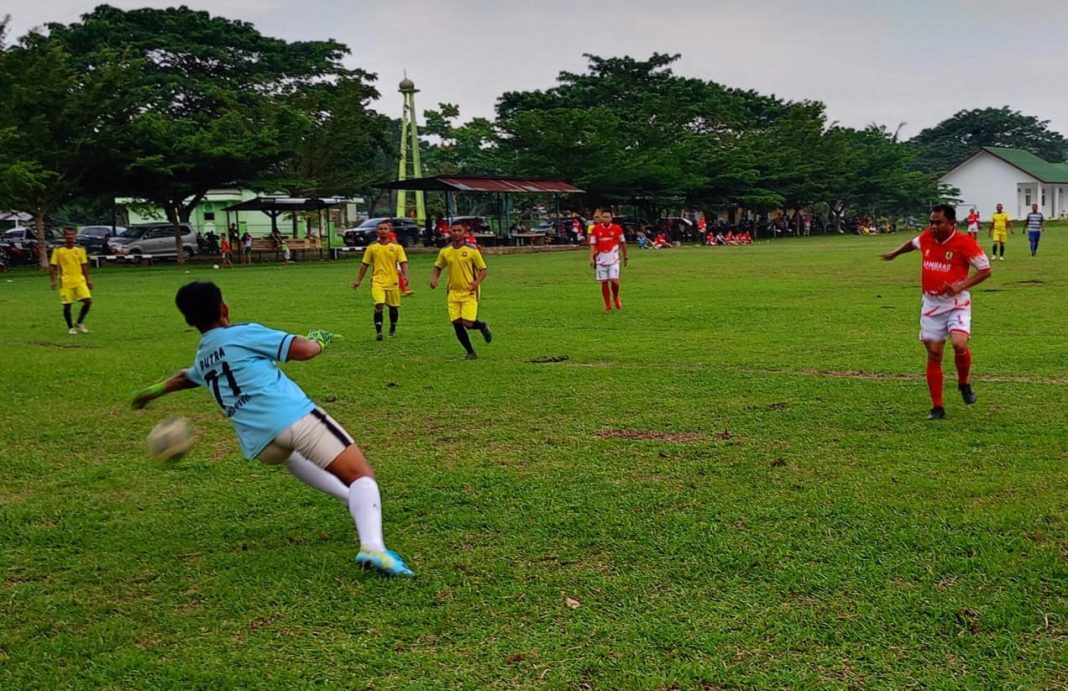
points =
(94, 238)
(408, 233)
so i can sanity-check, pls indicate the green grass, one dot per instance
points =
(733, 477)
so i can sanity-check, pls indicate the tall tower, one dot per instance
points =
(410, 137)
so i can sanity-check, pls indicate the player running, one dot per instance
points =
(390, 265)
(72, 266)
(947, 304)
(467, 271)
(274, 419)
(606, 242)
(1000, 227)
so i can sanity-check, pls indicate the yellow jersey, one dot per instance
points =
(70, 263)
(384, 258)
(463, 264)
(1000, 221)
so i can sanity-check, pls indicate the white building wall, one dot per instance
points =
(986, 181)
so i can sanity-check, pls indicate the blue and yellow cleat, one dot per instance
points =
(387, 563)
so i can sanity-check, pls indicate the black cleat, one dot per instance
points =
(486, 333)
(967, 394)
(937, 413)
(470, 356)
(379, 336)
(392, 333)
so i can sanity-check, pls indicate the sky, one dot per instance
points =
(915, 62)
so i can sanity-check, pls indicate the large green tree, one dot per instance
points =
(54, 115)
(952, 140)
(217, 102)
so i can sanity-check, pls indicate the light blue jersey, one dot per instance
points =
(237, 365)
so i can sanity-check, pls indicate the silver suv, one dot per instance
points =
(154, 239)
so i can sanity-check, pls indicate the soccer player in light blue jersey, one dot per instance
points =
(274, 419)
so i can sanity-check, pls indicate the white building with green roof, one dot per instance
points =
(1013, 178)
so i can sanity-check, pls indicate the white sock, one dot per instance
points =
(365, 505)
(322, 480)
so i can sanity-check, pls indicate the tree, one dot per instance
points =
(217, 103)
(52, 120)
(954, 139)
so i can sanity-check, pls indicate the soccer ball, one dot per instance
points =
(170, 439)
(215, 266)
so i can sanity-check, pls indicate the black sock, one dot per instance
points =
(83, 312)
(461, 335)
(66, 315)
(378, 321)
(478, 325)
(394, 315)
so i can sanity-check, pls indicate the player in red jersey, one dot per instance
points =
(973, 223)
(606, 243)
(947, 306)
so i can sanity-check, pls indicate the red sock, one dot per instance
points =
(606, 294)
(403, 283)
(934, 382)
(615, 295)
(964, 365)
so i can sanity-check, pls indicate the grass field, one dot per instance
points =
(729, 484)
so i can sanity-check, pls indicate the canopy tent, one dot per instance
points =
(500, 184)
(275, 206)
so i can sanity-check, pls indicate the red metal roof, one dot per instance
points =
(479, 183)
(509, 185)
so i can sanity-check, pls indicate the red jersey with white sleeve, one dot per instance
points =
(607, 239)
(944, 263)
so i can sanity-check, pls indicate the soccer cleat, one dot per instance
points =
(486, 332)
(379, 336)
(619, 304)
(937, 413)
(967, 394)
(470, 356)
(81, 328)
(408, 293)
(72, 331)
(387, 563)
(392, 333)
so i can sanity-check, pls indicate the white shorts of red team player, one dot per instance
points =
(941, 315)
(608, 272)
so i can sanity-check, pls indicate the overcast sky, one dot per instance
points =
(888, 62)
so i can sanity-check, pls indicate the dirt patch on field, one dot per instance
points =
(50, 344)
(649, 435)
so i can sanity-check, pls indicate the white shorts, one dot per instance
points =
(936, 328)
(973, 228)
(608, 272)
(317, 436)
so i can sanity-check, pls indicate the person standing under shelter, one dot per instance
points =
(71, 265)
(1035, 222)
(1000, 227)
(946, 312)
(390, 264)
(246, 248)
(467, 271)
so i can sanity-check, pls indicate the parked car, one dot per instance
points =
(94, 238)
(154, 239)
(20, 244)
(408, 233)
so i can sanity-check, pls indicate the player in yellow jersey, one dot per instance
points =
(71, 266)
(467, 270)
(390, 265)
(1000, 227)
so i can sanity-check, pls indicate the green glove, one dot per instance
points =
(142, 397)
(322, 337)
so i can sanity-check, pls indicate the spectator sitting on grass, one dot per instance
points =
(661, 241)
